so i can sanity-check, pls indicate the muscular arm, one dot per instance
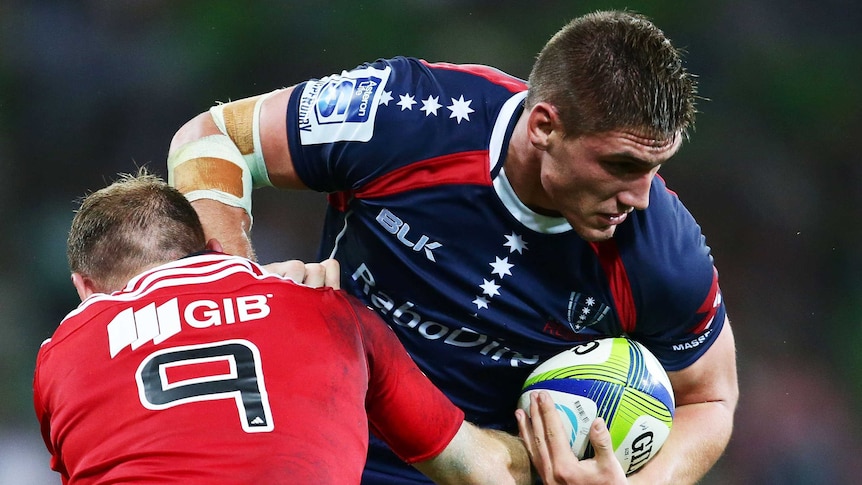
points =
(706, 395)
(231, 225)
(479, 456)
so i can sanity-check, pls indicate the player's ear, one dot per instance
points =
(214, 245)
(542, 121)
(83, 285)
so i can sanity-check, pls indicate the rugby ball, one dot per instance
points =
(617, 379)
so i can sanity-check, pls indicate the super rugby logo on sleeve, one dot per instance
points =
(341, 107)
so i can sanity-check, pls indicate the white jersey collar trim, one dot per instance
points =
(501, 126)
(499, 136)
(527, 217)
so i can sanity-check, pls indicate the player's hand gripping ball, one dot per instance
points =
(617, 379)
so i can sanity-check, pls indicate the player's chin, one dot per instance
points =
(596, 233)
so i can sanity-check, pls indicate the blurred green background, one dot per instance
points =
(772, 172)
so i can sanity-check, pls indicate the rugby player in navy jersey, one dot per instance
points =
(494, 222)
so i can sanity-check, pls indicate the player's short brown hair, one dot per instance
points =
(135, 223)
(612, 70)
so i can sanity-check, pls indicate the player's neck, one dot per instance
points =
(523, 170)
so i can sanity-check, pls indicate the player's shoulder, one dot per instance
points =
(479, 74)
(364, 317)
(664, 242)
(351, 304)
(669, 267)
(489, 73)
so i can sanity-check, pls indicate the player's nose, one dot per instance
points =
(636, 193)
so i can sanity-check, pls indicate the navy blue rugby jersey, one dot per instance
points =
(478, 287)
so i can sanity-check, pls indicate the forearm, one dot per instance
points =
(512, 463)
(480, 457)
(699, 436)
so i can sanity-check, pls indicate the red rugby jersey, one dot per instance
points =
(208, 370)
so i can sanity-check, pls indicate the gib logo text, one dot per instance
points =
(158, 323)
(206, 313)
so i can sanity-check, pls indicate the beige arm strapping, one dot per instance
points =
(228, 166)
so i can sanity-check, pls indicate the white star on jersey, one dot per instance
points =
(515, 243)
(480, 302)
(501, 267)
(460, 109)
(490, 288)
(385, 98)
(430, 105)
(406, 101)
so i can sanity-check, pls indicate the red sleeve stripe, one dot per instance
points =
(618, 279)
(465, 168)
(710, 305)
(494, 75)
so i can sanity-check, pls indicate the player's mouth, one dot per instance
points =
(613, 219)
